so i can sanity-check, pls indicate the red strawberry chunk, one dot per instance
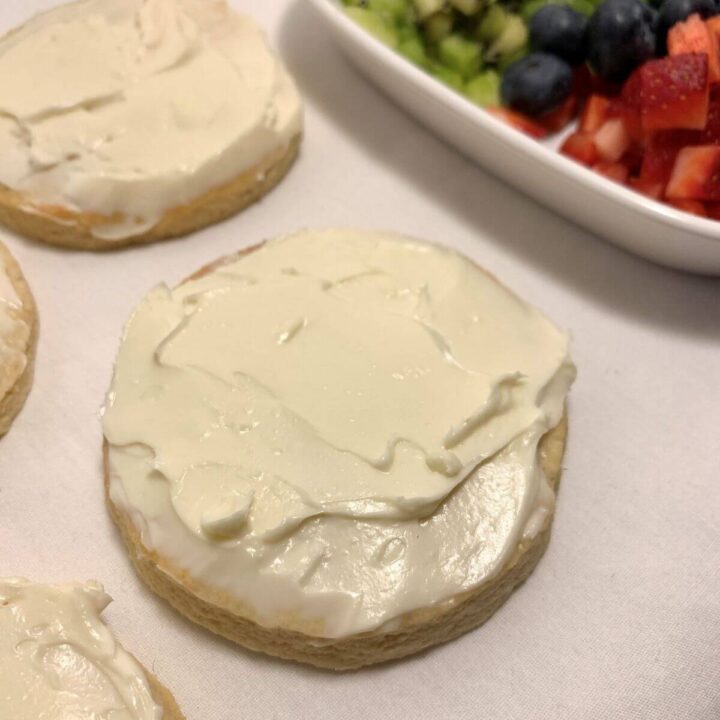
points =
(713, 210)
(694, 36)
(690, 206)
(696, 174)
(713, 26)
(627, 106)
(594, 113)
(612, 140)
(518, 121)
(661, 150)
(614, 171)
(581, 147)
(711, 134)
(557, 119)
(654, 190)
(674, 92)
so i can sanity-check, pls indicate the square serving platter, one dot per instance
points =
(643, 226)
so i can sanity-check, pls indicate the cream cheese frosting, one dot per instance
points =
(128, 108)
(339, 427)
(14, 332)
(58, 660)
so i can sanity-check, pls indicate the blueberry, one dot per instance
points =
(621, 36)
(674, 11)
(559, 30)
(536, 84)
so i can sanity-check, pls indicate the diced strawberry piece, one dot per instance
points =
(713, 26)
(612, 140)
(518, 121)
(711, 134)
(660, 152)
(694, 36)
(689, 206)
(696, 174)
(595, 113)
(713, 210)
(627, 107)
(614, 171)
(674, 92)
(632, 159)
(586, 83)
(653, 190)
(581, 147)
(559, 118)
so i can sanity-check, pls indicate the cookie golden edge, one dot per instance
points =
(299, 640)
(64, 228)
(12, 402)
(163, 697)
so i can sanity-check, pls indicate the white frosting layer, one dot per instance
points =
(128, 108)
(336, 428)
(58, 661)
(14, 333)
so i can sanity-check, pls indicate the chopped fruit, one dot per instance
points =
(518, 121)
(661, 151)
(694, 36)
(675, 11)
(614, 171)
(557, 119)
(595, 113)
(536, 84)
(460, 55)
(713, 210)
(696, 174)
(674, 92)
(654, 190)
(711, 132)
(689, 206)
(612, 140)
(626, 106)
(561, 31)
(581, 147)
(484, 89)
(621, 36)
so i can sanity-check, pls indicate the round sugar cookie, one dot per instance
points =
(131, 121)
(339, 447)
(18, 338)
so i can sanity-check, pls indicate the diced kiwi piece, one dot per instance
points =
(492, 24)
(414, 51)
(438, 26)
(425, 8)
(513, 36)
(585, 7)
(374, 24)
(484, 89)
(408, 31)
(448, 76)
(353, 3)
(505, 61)
(467, 7)
(393, 10)
(461, 55)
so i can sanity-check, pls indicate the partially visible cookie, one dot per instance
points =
(58, 660)
(130, 121)
(18, 337)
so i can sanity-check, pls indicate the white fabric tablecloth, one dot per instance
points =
(621, 619)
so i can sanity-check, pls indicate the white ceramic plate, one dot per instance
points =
(643, 226)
